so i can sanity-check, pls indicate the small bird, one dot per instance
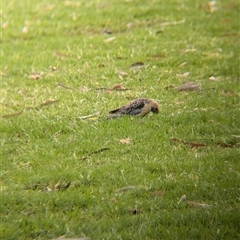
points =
(139, 107)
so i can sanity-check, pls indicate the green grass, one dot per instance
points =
(43, 145)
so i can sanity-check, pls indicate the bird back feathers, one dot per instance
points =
(139, 107)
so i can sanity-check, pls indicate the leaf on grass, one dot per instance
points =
(60, 54)
(12, 114)
(110, 39)
(137, 66)
(212, 78)
(124, 189)
(186, 74)
(48, 102)
(191, 144)
(189, 86)
(36, 75)
(173, 23)
(126, 140)
(122, 74)
(119, 87)
(183, 64)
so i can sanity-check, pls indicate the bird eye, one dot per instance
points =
(154, 110)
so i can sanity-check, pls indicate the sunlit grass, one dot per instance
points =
(62, 175)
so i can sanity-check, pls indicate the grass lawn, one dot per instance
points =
(65, 174)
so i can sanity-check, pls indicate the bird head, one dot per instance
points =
(155, 108)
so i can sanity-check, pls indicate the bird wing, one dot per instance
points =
(133, 108)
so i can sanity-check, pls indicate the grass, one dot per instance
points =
(57, 51)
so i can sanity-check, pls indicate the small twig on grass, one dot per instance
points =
(189, 86)
(225, 145)
(197, 145)
(193, 204)
(118, 87)
(46, 103)
(90, 116)
(125, 189)
(191, 144)
(196, 204)
(12, 114)
(64, 86)
(97, 151)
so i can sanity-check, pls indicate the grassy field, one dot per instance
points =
(66, 175)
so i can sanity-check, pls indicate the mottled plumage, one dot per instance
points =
(139, 107)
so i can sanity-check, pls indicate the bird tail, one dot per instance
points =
(113, 116)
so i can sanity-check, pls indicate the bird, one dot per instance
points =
(139, 107)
